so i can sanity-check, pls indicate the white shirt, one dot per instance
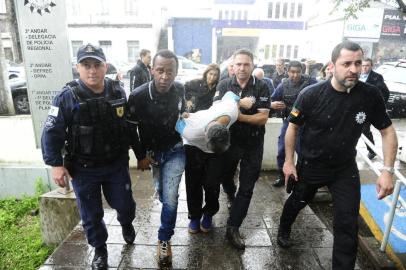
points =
(192, 129)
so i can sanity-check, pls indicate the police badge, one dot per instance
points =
(120, 111)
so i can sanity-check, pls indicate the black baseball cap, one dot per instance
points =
(90, 51)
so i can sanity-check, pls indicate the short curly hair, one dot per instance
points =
(218, 138)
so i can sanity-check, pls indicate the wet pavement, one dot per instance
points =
(312, 249)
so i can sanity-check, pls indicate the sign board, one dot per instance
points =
(367, 25)
(44, 43)
(393, 25)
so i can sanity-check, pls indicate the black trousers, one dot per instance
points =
(344, 185)
(250, 158)
(366, 130)
(202, 173)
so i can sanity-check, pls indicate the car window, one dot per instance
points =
(392, 73)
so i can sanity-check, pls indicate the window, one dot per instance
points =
(267, 48)
(270, 9)
(2, 6)
(233, 15)
(239, 16)
(130, 7)
(133, 47)
(292, 10)
(226, 15)
(299, 10)
(245, 15)
(103, 8)
(288, 51)
(277, 10)
(285, 10)
(274, 50)
(8, 54)
(281, 49)
(295, 52)
(106, 46)
(220, 14)
(76, 44)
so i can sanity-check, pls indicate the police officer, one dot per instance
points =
(332, 114)
(86, 119)
(282, 100)
(247, 138)
(154, 109)
(141, 72)
(376, 79)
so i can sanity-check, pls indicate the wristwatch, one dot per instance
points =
(390, 170)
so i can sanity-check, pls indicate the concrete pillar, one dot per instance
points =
(59, 215)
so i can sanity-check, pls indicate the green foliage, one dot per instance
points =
(351, 8)
(21, 245)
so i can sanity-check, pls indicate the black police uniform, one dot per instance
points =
(247, 145)
(93, 131)
(332, 123)
(202, 170)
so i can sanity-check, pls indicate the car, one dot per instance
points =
(18, 87)
(15, 70)
(189, 70)
(394, 74)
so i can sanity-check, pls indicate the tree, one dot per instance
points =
(352, 7)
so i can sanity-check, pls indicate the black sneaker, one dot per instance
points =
(279, 182)
(230, 201)
(128, 233)
(234, 237)
(99, 261)
(283, 239)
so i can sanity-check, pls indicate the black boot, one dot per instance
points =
(233, 235)
(280, 182)
(99, 261)
(230, 200)
(283, 239)
(128, 233)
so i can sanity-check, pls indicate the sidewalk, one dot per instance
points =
(312, 250)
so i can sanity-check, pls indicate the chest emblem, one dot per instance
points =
(360, 117)
(120, 111)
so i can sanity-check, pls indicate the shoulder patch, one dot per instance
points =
(295, 112)
(53, 111)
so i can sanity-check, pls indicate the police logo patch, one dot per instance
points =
(120, 111)
(89, 48)
(360, 117)
(50, 122)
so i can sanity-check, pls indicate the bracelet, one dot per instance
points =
(390, 170)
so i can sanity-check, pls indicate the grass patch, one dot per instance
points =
(21, 245)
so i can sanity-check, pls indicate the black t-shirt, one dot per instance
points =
(332, 121)
(242, 133)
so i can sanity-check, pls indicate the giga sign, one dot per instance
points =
(368, 24)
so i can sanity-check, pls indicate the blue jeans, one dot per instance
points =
(115, 182)
(167, 174)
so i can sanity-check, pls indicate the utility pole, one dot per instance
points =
(13, 30)
(6, 100)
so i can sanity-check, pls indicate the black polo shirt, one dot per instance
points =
(244, 133)
(332, 121)
(156, 115)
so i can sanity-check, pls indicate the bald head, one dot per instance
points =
(259, 73)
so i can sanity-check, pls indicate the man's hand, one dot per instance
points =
(246, 103)
(278, 105)
(185, 115)
(384, 185)
(143, 164)
(58, 175)
(289, 168)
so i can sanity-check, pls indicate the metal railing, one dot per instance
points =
(395, 196)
